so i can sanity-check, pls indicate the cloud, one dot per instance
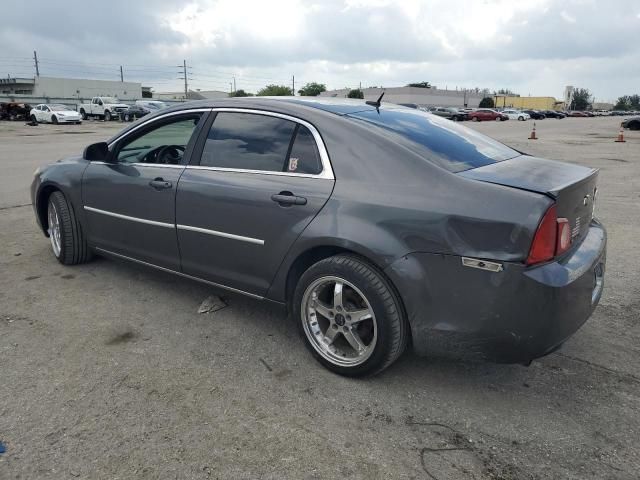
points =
(531, 46)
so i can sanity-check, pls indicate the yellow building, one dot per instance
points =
(533, 103)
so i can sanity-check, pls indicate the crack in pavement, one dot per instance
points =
(627, 376)
(16, 206)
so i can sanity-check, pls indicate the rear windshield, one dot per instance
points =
(440, 140)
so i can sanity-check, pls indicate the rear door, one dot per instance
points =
(259, 180)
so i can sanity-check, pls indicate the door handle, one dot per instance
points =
(160, 183)
(288, 198)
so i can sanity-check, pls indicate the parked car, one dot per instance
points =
(576, 113)
(54, 113)
(133, 112)
(554, 114)
(632, 123)
(14, 111)
(450, 113)
(535, 114)
(481, 114)
(140, 109)
(106, 108)
(515, 114)
(452, 244)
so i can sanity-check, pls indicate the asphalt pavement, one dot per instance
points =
(107, 370)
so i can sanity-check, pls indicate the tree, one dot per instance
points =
(580, 99)
(312, 89)
(420, 85)
(486, 102)
(505, 91)
(355, 93)
(275, 91)
(240, 93)
(628, 102)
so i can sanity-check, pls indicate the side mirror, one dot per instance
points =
(96, 152)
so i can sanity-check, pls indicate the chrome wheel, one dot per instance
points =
(54, 229)
(338, 321)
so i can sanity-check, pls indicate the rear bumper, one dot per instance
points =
(512, 316)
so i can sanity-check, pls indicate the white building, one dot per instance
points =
(69, 88)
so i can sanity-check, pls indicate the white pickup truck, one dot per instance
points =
(107, 108)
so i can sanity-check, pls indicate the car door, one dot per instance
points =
(129, 201)
(258, 182)
(41, 115)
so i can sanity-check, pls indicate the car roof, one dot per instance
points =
(339, 106)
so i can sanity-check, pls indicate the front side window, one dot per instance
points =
(163, 144)
(248, 141)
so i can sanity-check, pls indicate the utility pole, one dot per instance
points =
(234, 84)
(293, 84)
(121, 74)
(35, 59)
(185, 78)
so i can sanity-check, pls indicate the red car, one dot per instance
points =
(486, 114)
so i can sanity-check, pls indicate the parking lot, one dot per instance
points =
(107, 370)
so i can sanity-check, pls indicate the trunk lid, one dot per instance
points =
(573, 187)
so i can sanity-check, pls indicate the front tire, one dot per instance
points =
(83, 114)
(107, 116)
(54, 120)
(349, 316)
(127, 118)
(68, 241)
(475, 119)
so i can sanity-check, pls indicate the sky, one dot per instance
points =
(533, 47)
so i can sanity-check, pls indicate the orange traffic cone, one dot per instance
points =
(621, 135)
(533, 133)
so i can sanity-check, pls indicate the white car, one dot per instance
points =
(516, 115)
(54, 113)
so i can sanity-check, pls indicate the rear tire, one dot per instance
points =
(475, 119)
(68, 241)
(34, 119)
(380, 330)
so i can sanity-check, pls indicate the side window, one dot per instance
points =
(248, 141)
(163, 144)
(304, 156)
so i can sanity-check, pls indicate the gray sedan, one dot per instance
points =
(376, 225)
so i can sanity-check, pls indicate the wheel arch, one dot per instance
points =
(42, 200)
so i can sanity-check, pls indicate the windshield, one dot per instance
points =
(440, 140)
(57, 106)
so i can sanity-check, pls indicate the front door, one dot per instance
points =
(260, 180)
(129, 202)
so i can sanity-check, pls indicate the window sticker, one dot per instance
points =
(293, 164)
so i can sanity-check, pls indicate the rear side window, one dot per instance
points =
(304, 156)
(248, 141)
(438, 139)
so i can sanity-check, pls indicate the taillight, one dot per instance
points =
(553, 237)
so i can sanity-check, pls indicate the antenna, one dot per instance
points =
(377, 103)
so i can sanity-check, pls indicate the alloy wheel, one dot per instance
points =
(54, 229)
(338, 321)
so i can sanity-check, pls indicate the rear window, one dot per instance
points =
(440, 140)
